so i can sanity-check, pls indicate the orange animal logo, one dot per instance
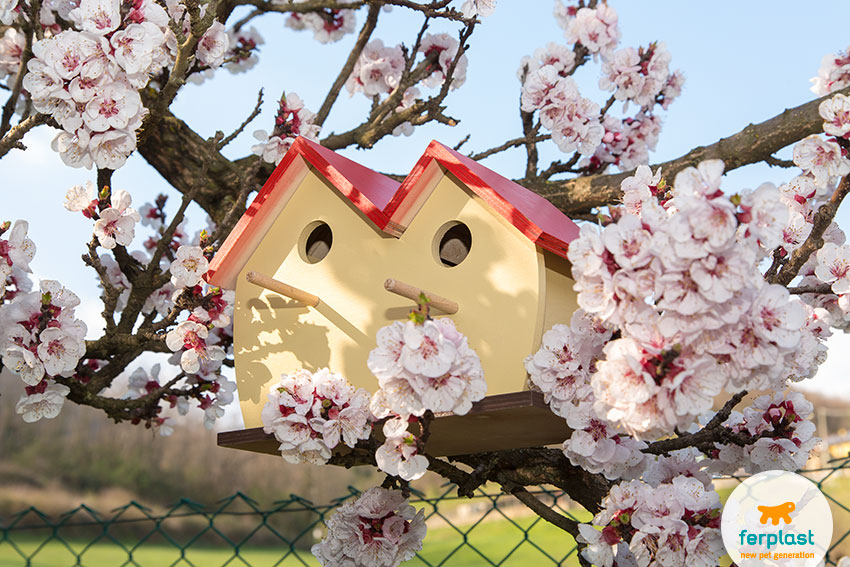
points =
(776, 513)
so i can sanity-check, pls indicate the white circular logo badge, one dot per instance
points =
(776, 518)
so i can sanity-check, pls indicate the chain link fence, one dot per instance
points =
(489, 529)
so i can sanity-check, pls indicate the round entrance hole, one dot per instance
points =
(452, 243)
(316, 242)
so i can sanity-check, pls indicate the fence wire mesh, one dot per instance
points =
(489, 529)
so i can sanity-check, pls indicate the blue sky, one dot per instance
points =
(744, 62)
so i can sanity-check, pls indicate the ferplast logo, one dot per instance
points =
(776, 518)
(771, 539)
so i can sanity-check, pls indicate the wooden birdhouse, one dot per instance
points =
(331, 251)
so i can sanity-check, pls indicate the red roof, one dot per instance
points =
(384, 201)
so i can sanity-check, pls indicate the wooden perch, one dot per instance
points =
(412, 292)
(287, 290)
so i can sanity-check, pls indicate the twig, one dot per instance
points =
(460, 144)
(16, 133)
(344, 73)
(508, 145)
(823, 218)
(254, 114)
(823, 289)
(544, 511)
(714, 431)
(776, 162)
(17, 85)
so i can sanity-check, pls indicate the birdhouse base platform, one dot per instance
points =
(504, 421)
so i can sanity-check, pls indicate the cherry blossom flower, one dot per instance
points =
(328, 25)
(833, 267)
(191, 338)
(810, 353)
(399, 455)
(59, 351)
(836, 115)
(823, 160)
(445, 48)
(135, 46)
(678, 279)
(188, 267)
(622, 74)
(12, 45)
(7, 11)
(97, 16)
(43, 401)
(40, 334)
(475, 8)
(213, 45)
(311, 413)
(293, 119)
(674, 523)
(768, 215)
(73, 148)
(377, 70)
(117, 223)
(243, 45)
(427, 366)
(573, 119)
(555, 55)
(216, 309)
(408, 100)
(792, 439)
(113, 107)
(641, 76)
(562, 367)
(111, 148)
(833, 75)
(378, 529)
(661, 469)
(597, 448)
(16, 251)
(271, 148)
(140, 382)
(594, 28)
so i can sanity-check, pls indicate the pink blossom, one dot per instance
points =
(191, 338)
(43, 403)
(836, 115)
(594, 28)
(377, 70)
(311, 413)
(188, 267)
(444, 47)
(823, 160)
(378, 529)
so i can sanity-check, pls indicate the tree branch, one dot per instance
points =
(345, 72)
(16, 133)
(823, 218)
(544, 511)
(753, 144)
(713, 432)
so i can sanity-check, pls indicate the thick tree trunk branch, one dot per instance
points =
(180, 155)
(755, 143)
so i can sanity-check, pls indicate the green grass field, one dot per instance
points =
(497, 542)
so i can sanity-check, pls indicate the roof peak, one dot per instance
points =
(384, 201)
